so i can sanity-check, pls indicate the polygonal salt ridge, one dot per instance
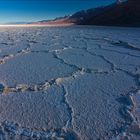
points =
(24, 51)
(72, 76)
(135, 95)
(95, 71)
(75, 74)
(5, 58)
(44, 86)
(9, 56)
(79, 72)
(57, 51)
(59, 81)
(124, 45)
(84, 70)
(22, 87)
(11, 128)
(132, 106)
(25, 87)
(27, 50)
(121, 43)
(32, 87)
(120, 52)
(131, 125)
(134, 127)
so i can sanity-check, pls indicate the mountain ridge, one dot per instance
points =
(121, 13)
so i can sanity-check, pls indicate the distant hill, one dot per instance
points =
(121, 13)
(66, 20)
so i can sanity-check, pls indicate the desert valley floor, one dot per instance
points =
(69, 83)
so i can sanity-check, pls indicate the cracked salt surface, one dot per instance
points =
(69, 83)
(32, 68)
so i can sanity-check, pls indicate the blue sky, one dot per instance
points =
(35, 10)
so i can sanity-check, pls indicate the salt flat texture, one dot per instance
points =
(70, 83)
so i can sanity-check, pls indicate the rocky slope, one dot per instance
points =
(126, 13)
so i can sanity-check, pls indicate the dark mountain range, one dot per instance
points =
(121, 13)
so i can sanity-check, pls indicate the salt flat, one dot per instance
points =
(69, 83)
